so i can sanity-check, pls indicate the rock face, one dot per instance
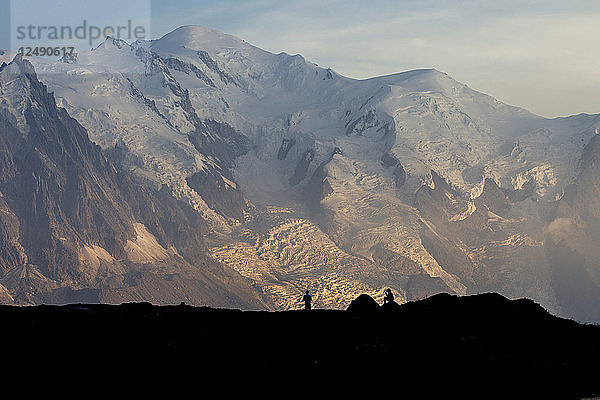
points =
(55, 183)
(305, 179)
(75, 226)
(571, 240)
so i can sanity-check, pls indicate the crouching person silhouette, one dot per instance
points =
(389, 296)
(307, 298)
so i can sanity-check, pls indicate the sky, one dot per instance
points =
(540, 55)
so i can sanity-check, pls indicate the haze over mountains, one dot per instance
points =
(230, 176)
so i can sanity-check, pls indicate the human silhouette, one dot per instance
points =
(389, 296)
(307, 298)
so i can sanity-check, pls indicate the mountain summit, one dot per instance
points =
(195, 37)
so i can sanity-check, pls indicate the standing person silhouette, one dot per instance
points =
(307, 298)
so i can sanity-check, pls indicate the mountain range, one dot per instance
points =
(200, 168)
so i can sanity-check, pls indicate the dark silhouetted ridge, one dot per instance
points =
(483, 345)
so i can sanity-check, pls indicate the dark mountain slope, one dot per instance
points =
(57, 182)
(572, 240)
(75, 227)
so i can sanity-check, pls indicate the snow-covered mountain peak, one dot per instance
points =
(254, 67)
(194, 37)
(422, 75)
(112, 41)
(14, 81)
(17, 66)
(21, 92)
